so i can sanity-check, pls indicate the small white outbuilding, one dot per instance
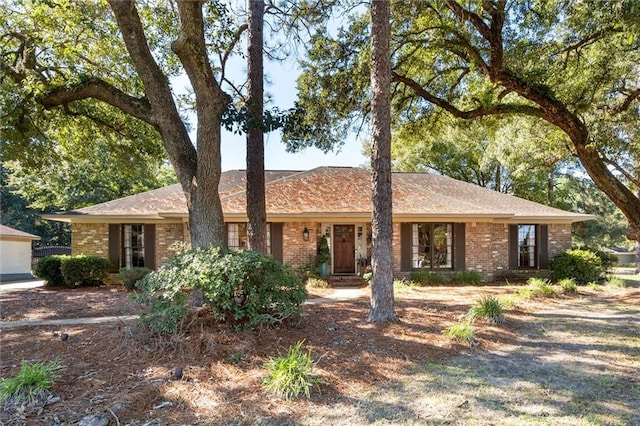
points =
(15, 254)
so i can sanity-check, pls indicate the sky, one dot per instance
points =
(282, 89)
(280, 85)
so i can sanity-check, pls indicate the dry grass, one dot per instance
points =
(572, 360)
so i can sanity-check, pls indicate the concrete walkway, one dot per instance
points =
(20, 285)
(338, 295)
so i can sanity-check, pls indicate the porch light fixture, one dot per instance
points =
(305, 234)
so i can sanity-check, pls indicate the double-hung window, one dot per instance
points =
(527, 246)
(133, 243)
(432, 245)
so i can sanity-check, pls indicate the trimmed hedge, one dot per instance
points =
(584, 266)
(48, 269)
(84, 270)
(73, 271)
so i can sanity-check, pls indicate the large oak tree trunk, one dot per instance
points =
(198, 170)
(256, 209)
(382, 303)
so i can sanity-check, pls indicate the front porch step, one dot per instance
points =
(342, 281)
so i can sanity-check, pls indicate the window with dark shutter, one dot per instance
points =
(528, 246)
(429, 245)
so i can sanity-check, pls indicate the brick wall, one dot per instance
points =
(559, 239)
(486, 248)
(486, 244)
(91, 239)
(168, 234)
(296, 251)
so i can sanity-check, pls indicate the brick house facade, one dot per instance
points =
(440, 224)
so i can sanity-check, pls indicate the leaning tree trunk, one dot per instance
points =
(382, 304)
(256, 209)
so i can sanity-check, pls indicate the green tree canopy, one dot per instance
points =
(570, 64)
(112, 64)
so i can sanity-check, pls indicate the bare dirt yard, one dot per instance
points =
(568, 360)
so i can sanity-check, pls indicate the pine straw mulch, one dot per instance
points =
(120, 370)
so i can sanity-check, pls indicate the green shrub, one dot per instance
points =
(367, 276)
(608, 260)
(308, 270)
(466, 277)
(73, 271)
(241, 287)
(568, 285)
(582, 265)
(324, 255)
(84, 270)
(48, 268)
(488, 308)
(291, 375)
(165, 314)
(129, 277)
(541, 288)
(462, 332)
(426, 278)
(31, 378)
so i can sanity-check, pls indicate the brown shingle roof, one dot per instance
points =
(328, 191)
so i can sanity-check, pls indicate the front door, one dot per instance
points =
(344, 249)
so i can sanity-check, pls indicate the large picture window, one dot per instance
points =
(527, 247)
(432, 245)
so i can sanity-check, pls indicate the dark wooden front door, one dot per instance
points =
(344, 249)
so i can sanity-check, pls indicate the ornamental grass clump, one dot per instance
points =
(291, 375)
(541, 288)
(404, 285)
(462, 331)
(568, 285)
(32, 378)
(488, 308)
(616, 282)
(315, 282)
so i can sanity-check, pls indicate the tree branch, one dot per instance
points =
(627, 102)
(191, 49)
(589, 40)
(232, 45)
(634, 180)
(102, 91)
(482, 111)
(467, 15)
